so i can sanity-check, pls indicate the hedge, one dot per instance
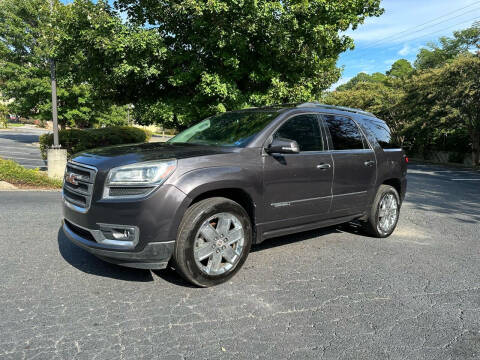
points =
(76, 140)
(15, 174)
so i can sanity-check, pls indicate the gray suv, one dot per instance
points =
(199, 201)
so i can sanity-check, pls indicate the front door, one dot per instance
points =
(355, 166)
(297, 187)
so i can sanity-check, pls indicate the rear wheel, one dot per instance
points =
(213, 242)
(384, 213)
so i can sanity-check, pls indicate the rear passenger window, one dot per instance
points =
(381, 132)
(305, 130)
(345, 133)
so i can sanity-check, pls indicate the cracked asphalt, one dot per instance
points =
(326, 294)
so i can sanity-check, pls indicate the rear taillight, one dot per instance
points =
(406, 159)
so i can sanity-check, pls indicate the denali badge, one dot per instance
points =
(71, 178)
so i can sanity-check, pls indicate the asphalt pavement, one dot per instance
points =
(325, 294)
(21, 145)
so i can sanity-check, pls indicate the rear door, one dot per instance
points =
(297, 187)
(355, 165)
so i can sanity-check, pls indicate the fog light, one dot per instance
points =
(122, 234)
(119, 232)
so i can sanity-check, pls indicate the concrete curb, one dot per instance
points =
(7, 186)
(30, 190)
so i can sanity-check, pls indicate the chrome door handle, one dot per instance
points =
(324, 166)
(369, 163)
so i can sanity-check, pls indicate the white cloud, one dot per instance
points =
(342, 81)
(407, 50)
(389, 62)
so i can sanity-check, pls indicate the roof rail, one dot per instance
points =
(334, 107)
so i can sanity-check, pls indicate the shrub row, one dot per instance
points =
(16, 174)
(76, 140)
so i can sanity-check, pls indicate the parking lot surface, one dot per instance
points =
(326, 294)
(20, 145)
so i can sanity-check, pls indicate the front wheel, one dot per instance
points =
(385, 211)
(213, 241)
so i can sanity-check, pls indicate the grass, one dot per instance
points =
(17, 175)
(10, 125)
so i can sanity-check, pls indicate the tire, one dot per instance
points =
(374, 223)
(198, 248)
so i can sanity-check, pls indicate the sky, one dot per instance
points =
(399, 32)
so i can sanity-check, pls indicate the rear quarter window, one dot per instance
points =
(381, 132)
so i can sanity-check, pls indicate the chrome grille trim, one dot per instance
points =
(85, 178)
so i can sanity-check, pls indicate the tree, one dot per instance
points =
(447, 48)
(458, 94)
(225, 54)
(384, 99)
(30, 34)
(362, 77)
(400, 69)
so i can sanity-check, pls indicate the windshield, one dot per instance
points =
(227, 129)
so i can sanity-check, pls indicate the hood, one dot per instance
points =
(113, 156)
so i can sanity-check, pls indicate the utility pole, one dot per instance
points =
(53, 78)
(56, 156)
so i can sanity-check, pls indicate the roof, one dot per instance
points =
(316, 104)
(312, 104)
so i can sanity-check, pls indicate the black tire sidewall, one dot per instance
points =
(383, 190)
(188, 232)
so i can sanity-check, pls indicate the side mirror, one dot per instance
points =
(283, 146)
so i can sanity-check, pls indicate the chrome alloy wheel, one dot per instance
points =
(387, 213)
(219, 244)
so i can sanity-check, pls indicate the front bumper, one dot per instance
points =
(155, 255)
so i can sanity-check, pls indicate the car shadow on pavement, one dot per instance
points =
(293, 238)
(86, 262)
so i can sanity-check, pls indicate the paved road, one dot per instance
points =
(19, 145)
(327, 294)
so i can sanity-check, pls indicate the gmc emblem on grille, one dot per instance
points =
(71, 178)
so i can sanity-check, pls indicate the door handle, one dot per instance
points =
(324, 166)
(369, 163)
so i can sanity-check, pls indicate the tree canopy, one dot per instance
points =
(178, 62)
(432, 106)
(225, 54)
(31, 34)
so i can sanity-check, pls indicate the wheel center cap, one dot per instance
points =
(219, 243)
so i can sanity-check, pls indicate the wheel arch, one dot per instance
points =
(396, 183)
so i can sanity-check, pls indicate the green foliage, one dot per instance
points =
(384, 99)
(30, 35)
(223, 55)
(362, 78)
(16, 174)
(447, 49)
(401, 69)
(76, 140)
(434, 106)
(113, 116)
(199, 57)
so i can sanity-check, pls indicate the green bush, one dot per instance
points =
(76, 140)
(15, 174)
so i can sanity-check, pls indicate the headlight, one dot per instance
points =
(137, 180)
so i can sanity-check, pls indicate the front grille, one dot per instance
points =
(78, 185)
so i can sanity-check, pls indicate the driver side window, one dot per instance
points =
(305, 130)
